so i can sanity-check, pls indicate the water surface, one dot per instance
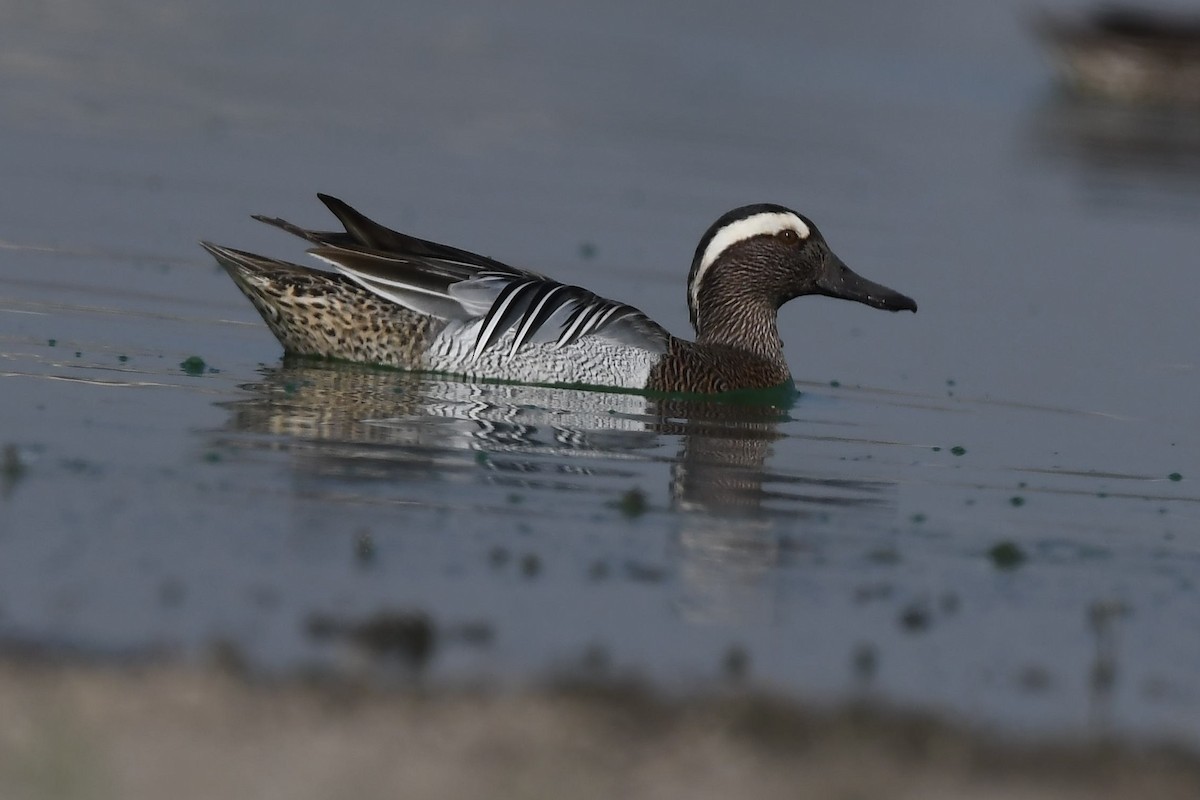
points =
(988, 509)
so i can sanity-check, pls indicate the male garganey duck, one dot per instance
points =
(406, 302)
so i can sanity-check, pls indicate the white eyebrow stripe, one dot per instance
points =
(768, 222)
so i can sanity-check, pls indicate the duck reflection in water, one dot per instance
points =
(357, 426)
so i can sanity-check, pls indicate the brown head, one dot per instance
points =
(756, 258)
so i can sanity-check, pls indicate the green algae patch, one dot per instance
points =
(735, 664)
(409, 636)
(531, 566)
(632, 503)
(193, 365)
(12, 469)
(364, 549)
(1007, 555)
(915, 618)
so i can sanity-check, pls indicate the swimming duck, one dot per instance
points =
(1128, 54)
(405, 302)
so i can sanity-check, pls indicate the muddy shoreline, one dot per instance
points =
(163, 730)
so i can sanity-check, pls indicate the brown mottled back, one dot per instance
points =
(326, 314)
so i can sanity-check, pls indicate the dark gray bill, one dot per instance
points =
(838, 280)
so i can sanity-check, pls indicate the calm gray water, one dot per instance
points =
(1043, 401)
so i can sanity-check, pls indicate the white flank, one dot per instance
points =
(592, 360)
(768, 222)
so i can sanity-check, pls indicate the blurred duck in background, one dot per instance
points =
(1127, 54)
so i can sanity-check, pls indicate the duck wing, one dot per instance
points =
(457, 285)
(535, 308)
(364, 234)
